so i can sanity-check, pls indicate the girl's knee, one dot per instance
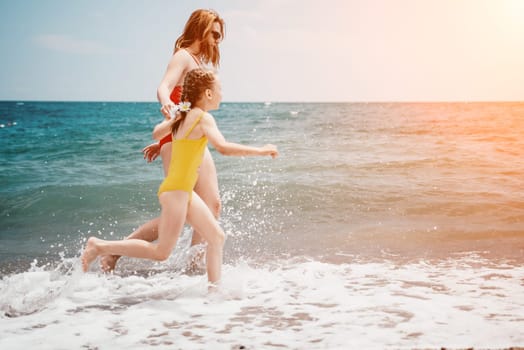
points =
(211, 200)
(216, 207)
(161, 254)
(214, 204)
(218, 239)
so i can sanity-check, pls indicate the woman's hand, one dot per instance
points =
(166, 110)
(270, 150)
(151, 152)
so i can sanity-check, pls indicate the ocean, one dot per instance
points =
(381, 225)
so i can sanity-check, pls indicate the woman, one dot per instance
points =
(191, 130)
(197, 46)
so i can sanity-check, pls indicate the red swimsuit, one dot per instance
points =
(175, 97)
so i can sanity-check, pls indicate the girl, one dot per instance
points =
(192, 128)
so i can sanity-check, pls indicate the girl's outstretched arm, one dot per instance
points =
(215, 137)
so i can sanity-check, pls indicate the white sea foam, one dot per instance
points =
(287, 304)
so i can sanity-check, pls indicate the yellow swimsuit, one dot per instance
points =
(186, 157)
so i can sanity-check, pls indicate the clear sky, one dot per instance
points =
(274, 50)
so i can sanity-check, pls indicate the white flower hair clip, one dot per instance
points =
(182, 107)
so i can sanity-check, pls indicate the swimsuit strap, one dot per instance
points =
(197, 60)
(193, 126)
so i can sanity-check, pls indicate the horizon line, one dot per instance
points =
(271, 102)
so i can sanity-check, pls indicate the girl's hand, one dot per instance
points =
(151, 152)
(270, 150)
(166, 110)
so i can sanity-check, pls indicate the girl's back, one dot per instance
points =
(190, 123)
(189, 144)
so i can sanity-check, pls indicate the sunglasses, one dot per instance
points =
(216, 35)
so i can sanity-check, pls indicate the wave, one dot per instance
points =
(461, 302)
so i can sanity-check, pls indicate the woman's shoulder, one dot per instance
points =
(181, 56)
(182, 52)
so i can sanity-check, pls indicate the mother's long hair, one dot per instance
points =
(196, 82)
(198, 27)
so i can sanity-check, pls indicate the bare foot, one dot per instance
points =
(196, 264)
(213, 287)
(108, 262)
(90, 253)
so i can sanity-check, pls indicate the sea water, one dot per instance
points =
(380, 225)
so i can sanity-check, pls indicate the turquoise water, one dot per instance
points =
(384, 225)
(366, 180)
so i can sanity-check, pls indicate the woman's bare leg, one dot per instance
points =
(200, 217)
(165, 154)
(172, 219)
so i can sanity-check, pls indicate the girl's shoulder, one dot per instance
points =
(207, 117)
(197, 114)
(187, 123)
(192, 115)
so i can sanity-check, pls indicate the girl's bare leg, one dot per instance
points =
(172, 219)
(146, 232)
(206, 186)
(207, 189)
(149, 230)
(200, 217)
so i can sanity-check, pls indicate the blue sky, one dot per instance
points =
(287, 50)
